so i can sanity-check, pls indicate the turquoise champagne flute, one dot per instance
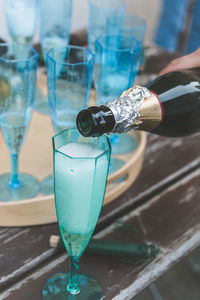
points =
(69, 84)
(99, 12)
(133, 26)
(115, 58)
(69, 72)
(114, 72)
(17, 94)
(21, 22)
(54, 28)
(80, 175)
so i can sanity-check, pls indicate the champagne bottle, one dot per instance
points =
(168, 106)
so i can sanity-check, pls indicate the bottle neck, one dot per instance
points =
(95, 121)
(137, 108)
(151, 113)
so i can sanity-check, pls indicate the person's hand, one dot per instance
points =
(186, 62)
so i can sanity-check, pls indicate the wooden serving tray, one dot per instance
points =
(36, 159)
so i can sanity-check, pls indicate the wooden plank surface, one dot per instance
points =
(170, 220)
(22, 247)
(166, 160)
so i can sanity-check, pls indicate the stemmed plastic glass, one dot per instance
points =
(114, 72)
(99, 11)
(17, 93)
(69, 72)
(21, 21)
(54, 26)
(80, 174)
(131, 25)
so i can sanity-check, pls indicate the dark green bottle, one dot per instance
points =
(168, 106)
(139, 251)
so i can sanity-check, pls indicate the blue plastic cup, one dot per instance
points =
(127, 25)
(115, 71)
(54, 23)
(21, 20)
(115, 59)
(17, 95)
(54, 27)
(131, 25)
(99, 11)
(69, 73)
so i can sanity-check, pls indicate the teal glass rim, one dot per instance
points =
(33, 56)
(89, 58)
(103, 138)
(103, 42)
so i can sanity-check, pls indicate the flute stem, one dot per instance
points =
(73, 287)
(14, 182)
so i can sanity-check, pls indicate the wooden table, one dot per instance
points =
(162, 207)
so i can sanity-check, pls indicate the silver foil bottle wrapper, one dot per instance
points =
(126, 108)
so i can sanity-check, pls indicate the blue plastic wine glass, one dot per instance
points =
(80, 175)
(99, 11)
(17, 93)
(54, 27)
(131, 25)
(115, 59)
(21, 22)
(69, 72)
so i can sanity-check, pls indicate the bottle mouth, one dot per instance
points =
(93, 121)
(84, 123)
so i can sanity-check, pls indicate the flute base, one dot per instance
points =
(56, 288)
(29, 187)
(47, 186)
